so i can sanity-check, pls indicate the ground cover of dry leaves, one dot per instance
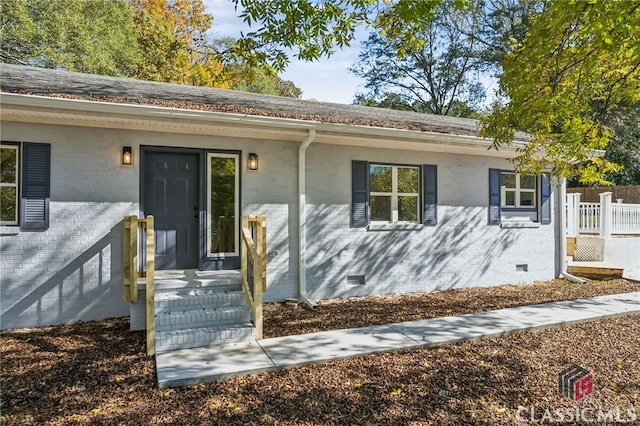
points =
(97, 373)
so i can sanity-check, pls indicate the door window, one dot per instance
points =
(222, 204)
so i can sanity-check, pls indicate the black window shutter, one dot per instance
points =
(545, 199)
(494, 196)
(36, 172)
(430, 178)
(359, 194)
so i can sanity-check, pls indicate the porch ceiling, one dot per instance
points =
(73, 112)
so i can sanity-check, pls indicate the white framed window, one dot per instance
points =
(223, 204)
(394, 193)
(518, 191)
(9, 176)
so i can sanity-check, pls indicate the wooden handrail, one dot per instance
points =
(150, 267)
(248, 240)
(253, 256)
(253, 260)
(130, 273)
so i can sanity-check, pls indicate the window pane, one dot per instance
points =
(223, 204)
(380, 208)
(527, 199)
(8, 212)
(508, 180)
(8, 161)
(408, 209)
(380, 179)
(508, 198)
(408, 180)
(528, 182)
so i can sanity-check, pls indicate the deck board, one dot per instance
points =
(595, 270)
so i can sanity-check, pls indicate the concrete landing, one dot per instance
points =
(206, 364)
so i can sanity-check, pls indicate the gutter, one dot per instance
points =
(302, 243)
(88, 110)
(564, 273)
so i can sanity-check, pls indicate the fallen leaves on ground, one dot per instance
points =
(282, 320)
(97, 373)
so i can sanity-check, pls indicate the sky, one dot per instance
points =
(327, 80)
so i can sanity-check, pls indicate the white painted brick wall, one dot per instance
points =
(461, 251)
(72, 271)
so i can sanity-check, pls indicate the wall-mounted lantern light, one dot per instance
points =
(253, 161)
(126, 155)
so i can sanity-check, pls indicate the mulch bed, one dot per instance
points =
(97, 373)
(282, 320)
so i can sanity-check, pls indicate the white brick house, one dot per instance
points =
(358, 200)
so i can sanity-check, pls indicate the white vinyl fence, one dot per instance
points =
(604, 218)
(626, 218)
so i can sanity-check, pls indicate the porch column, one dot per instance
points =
(573, 215)
(606, 215)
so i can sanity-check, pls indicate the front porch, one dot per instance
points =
(185, 309)
(602, 239)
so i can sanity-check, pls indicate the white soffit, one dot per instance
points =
(74, 112)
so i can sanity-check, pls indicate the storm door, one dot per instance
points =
(223, 208)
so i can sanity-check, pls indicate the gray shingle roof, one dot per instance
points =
(56, 83)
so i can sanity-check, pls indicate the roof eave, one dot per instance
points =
(77, 112)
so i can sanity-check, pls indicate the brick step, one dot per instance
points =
(168, 281)
(197, 299)
(204, 336)
(204, 317)
(168, 287)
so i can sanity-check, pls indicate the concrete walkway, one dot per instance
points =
(206, 364)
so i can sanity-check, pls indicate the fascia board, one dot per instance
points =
(261, 126)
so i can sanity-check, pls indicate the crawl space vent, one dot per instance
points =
(523, 267)
(355, 279)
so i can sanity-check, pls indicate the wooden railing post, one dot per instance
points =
(130, 267)
(244, 267)
(253, 249)
(126, 260)
(259, 273)
(150, 287)
(262, 251)
(133, 256)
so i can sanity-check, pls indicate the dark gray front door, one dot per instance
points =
(171, 196)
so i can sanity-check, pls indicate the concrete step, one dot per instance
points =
(187, 299)
(204, 317)
(204, 336)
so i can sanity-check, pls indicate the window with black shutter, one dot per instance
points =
(25, 184)
(518, 196)
(392, 193)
